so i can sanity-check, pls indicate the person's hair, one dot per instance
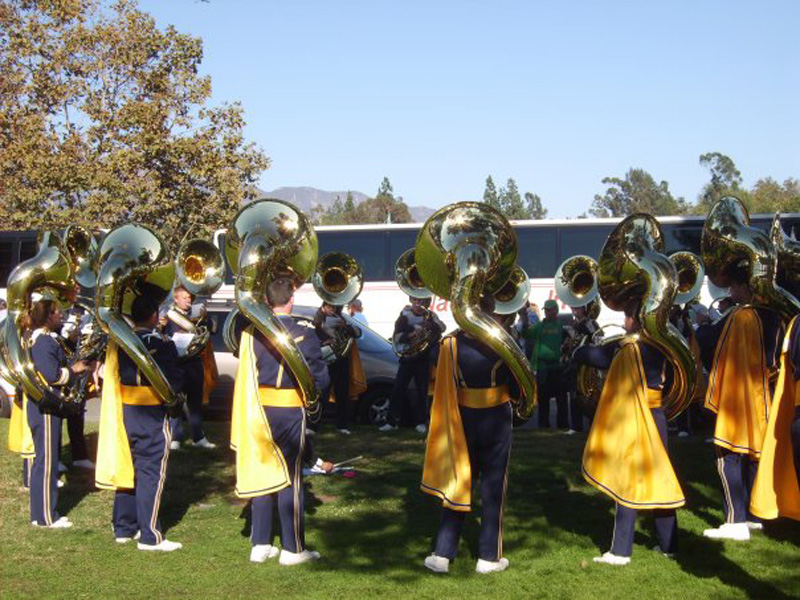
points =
(280, 292)
(143, 308)
(357, 304)
(487, 303)
(3, 303)
(40, 313)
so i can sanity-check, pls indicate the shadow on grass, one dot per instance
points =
(79, 482)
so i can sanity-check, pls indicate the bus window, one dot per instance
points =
(582, 240)
(367, 247)
(400, 240)
(27, 249)
(6, 260)
(682, 236)
(536, 251)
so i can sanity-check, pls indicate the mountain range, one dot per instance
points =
(307, 198)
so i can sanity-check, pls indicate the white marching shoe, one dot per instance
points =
(204, 443)
(387, 427)
(175, 445)
(261, 552)
(125, 540)
(729, 531)
(421, 428)
(755, 526)
(61, 523)
(488, 566)
(164, 546)
(297, 558)
(437, 564)
(612, 559)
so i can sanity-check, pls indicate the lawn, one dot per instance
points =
(374, 530)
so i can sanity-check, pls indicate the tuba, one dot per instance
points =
(133, 260)
(634, 269)
(338, 280)
(269, 239)
(411, 284)
(788, 250)
(51, 271)
(514, 294)
(576, 285)
(690, 276)
(730, 245)
(200, 269)
(463, 251)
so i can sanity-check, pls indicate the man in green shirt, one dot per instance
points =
(546, 338)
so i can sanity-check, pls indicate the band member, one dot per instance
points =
(776, 492)
(746, 343)
(132, 459)
(417, 326)
(268, 431)
(199, 371)
(331, 329)
(51, 363)
(469, 438)
(356, 310)
(626, 452)
(546, 338)
(581, 331)
(70, 337)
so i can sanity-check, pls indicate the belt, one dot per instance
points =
(483, 397)
(653, 398)
(284, 397)
(139, 395)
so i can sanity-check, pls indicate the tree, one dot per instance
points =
(769, 196)
(534, 206)
(490, 194)
(104, 120)
(385, 190)
(725, 179)
(638, 192)
(511, 202)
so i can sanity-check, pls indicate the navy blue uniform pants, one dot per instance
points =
(488, 432)
(737, 472)
(666, 521)
(46, 431)
(414, 406)
(339, 372)
(288, 431)
(193, 409)
(77, 439)
(550, 385)
(135, 510)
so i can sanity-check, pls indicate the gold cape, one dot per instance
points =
(738, 389)
(114, 469)
(210, 372)
(776, 492)
(260, 466)
(20, 439)
(624, 456)
(358, 380)
(447, 473)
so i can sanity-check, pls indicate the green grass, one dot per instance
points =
(374, 530)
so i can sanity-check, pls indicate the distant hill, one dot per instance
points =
(306, 198)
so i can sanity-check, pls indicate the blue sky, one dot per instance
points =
(558, 95)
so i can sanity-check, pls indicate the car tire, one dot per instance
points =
(374, 409)
(5, 405)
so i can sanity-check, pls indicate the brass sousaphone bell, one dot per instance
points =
(410, 283)
(633, 270)
(463, 251)
(270, 239)
(337, 280)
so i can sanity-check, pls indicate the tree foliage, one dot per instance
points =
(508, 201)
(637, 192)
(104, 120)
(725, 180)
(383, 208)
(534, 205)
(490, 194)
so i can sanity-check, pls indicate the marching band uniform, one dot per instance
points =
(777, 487)
(75, 423)
(626, 451)
(470, 437)
(746, 342)
(199, 373)
(416, 367)
(341, 369)
(268, 435)
(583, 328)
(134, 441)
(50, 360)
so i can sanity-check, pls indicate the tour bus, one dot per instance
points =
(542, 246)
